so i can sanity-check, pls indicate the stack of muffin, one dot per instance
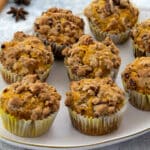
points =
(95, 103)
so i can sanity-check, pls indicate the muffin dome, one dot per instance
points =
(136, 76)
(141, 36)
(89, 58)
(26, 55)
(59, 28)
(111, 18)
(95, 97)
(30, 99)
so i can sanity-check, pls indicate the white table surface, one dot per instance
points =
(139, 143)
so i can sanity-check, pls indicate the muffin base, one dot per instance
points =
(74, 77)
(96, 126)
(26, 128)
(10, 77)
(137, 99)
(116, 38)
(139, 52)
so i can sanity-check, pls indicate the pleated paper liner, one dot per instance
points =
(26, 128)
(57, 50)
(96, 126)
(11, 77)
(116, 38)
(139, 52)
(73, 77)
(137, 99)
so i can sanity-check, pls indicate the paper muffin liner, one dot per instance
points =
(73, 77)
(116, 38)
(26, 128)
(139, 52)
(137, 99)
(57, 50)
(11, 77)
(96, 126)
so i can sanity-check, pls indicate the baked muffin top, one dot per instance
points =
(113, 16)
(30, 99)
(25, 54)
(141, 35)
(59, 26)
(95, 97)
(89, 58)
(137, 75)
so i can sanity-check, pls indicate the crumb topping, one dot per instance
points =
(25, 55)
(89, 58)
(137, 75)
(95, 97)
(112, 16)
(30, 99)
(60, 26)
(141, 35)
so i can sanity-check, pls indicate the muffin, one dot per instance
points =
(136, 81)
(112, 18)
(89, 59)
(25, 55)
(29, 107)
(140, 37)
(59, 28)
(95, 105)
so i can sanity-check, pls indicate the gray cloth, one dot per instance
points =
(139, 143)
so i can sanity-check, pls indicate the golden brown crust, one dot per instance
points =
(113, 16)
(59, 26)
(30, 99)
(25, 54)
(141, 36)
(89, 58)
(137, 75)
(95, 97)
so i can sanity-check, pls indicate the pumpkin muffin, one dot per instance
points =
(59, 28)
(29, 107)
(95, 105)
(136, 81)
(89, 59)
(112, 18)
(25, 55)
(141, 39)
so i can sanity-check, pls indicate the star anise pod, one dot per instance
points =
(25, 2)
(18, 13)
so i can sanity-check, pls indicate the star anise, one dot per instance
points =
(18, 13)
(25, 2)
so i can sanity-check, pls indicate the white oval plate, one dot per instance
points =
(62, 134)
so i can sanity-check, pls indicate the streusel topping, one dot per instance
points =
(95, 97)
(59, 26)
(141, 35)
(89, 58)
(137, 75)
(25, 54)
(112, 16)
(30, 99)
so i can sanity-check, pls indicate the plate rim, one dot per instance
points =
(114, 140)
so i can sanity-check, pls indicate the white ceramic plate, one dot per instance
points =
(62, 134)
